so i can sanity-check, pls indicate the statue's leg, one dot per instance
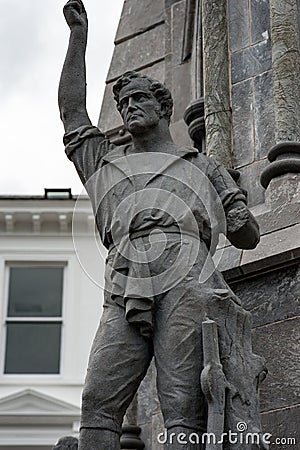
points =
(179, 361)
(96, 439)
(118, 362)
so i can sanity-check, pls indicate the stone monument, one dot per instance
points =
(160, 209)
(252, 49)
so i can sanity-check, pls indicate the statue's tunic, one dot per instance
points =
(129, 194)
(143, 203)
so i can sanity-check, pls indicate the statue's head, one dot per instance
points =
(142, 101)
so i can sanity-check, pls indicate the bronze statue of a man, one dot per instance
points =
(159, 210)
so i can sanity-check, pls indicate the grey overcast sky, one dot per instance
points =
(33, 43)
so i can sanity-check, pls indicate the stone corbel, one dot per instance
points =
(284, 158)
(194, 118)
(130, 438)
(36, 223)
(63, 223)
(9, 223)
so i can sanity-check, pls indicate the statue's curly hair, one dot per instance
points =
(160, 92)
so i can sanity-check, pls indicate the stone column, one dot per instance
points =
(130, 438)
(218, 120)
(285, 155)
(194, 118)
(194, 113)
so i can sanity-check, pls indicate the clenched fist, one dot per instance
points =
(75, 14)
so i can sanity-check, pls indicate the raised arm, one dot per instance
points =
(72, 86)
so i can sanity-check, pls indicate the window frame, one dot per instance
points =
(8, 264)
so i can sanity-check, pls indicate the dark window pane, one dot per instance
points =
(35, 291)
(32, 348)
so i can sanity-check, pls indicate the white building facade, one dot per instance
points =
(50, 308)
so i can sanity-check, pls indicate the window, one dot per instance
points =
(34, 320)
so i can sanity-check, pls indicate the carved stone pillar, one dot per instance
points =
(193, 48)
(209, 114)
(285, 155)
(218, 117)
(284, 158)
(130, 438)
(194, 118)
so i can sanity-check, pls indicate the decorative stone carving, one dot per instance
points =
(130, 438)
(284, 158)
(194, 118)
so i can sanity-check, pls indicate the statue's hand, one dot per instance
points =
(242, 228)
(237, 218)
(75, 14)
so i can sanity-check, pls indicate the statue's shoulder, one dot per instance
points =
(200, 159)
(117, 151)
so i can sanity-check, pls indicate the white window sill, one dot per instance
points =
(54, 380)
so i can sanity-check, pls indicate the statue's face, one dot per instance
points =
(139, 108)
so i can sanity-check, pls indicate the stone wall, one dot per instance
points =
(252, 99)
(140, 44)
(274, 301)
